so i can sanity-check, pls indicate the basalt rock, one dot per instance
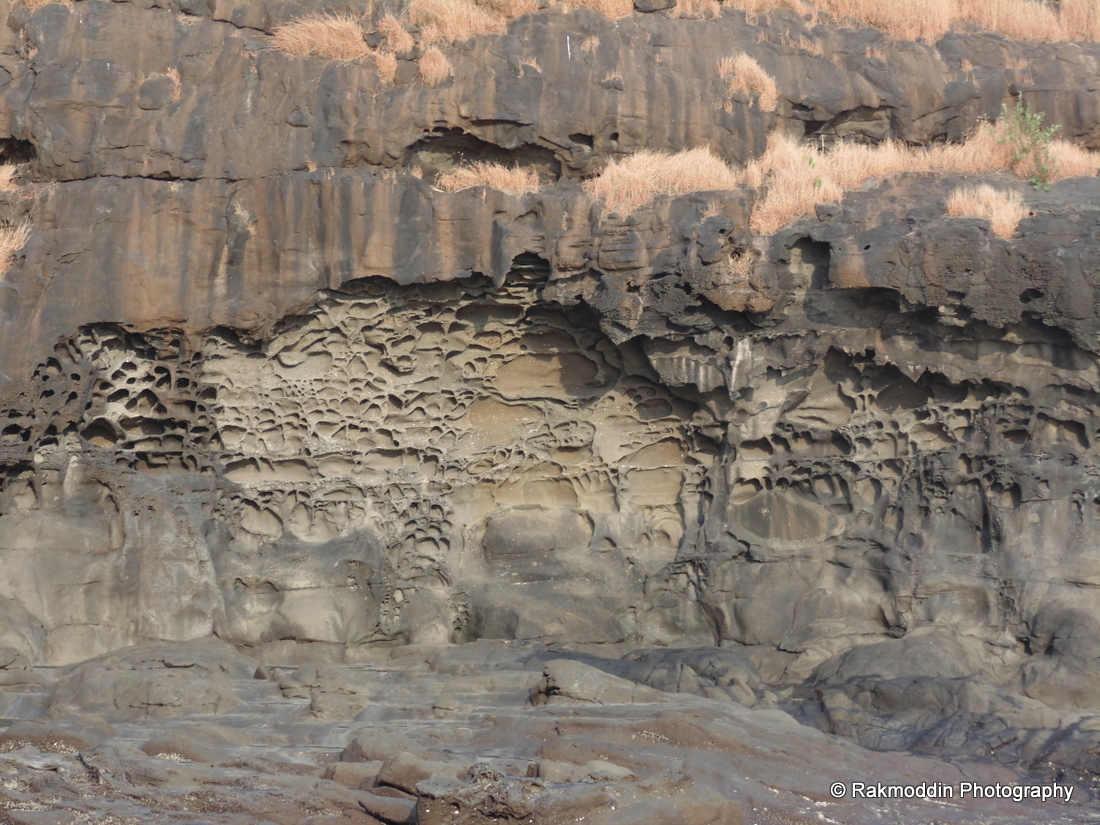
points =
(519, 462)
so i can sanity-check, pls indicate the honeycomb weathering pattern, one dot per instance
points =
(452, 461)
(868, 491)
(387, 455)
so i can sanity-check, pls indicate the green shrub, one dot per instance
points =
(1030, 143)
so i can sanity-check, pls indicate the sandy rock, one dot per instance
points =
(569, 681)
(46, 738)
(405, 771)
(155, 681)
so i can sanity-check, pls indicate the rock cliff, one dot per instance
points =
(475, 460)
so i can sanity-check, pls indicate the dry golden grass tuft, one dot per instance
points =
(743, 263)
(12, 238)
(795, 177)
(698, 9)
(385, 63)
(444, 21)
(494, 175)
(762, 6)
(173, 74)
(336, 36)
(245, 218)
(398, 39)
(1072, 161)
(37, 4)
(744, 75)
(630, 183)
(435, 67)
(931, 19)
(8, 172)
(1003, 209)
(611, 9)
(812, 46)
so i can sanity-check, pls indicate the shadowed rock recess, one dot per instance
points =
(328, 496)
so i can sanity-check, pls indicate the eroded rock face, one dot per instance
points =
(262, 382)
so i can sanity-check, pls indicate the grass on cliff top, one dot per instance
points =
(338, 36)
(628, 184)
(494, 175)
(931, 19)
(448, 20)
(743, 74)
(1003, 209)
(341, 37)
(795, 177)
(444, 21)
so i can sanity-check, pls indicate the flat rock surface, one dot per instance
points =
(540, 735)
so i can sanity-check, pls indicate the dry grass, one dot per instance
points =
(173, 74)
(1003, 209)
(12, 239)
(611, 9)
(340, 37)
(398, 40)
(812, 46)
(744, 75)
(7, 178)
(698, 9)
(931, 19)
(761, 6)
(435, 67)
(385, 63)
(1072, 161)
(336, 36)
(494, 175)
(795, 177)
(743, 263)
(37, 4)
(630, 183)
(245, 218)
(444, 21)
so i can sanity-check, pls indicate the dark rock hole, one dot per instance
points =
(13, 150)
(444, 150)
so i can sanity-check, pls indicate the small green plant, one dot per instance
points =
(1030, 143)
(818, 182)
